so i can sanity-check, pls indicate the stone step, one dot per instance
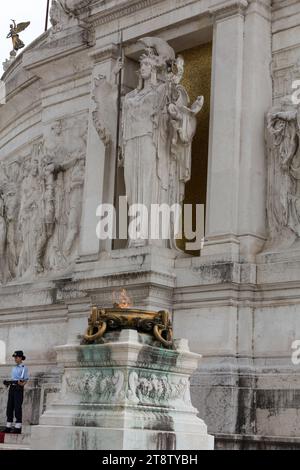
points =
(17, 439)
(14, 447)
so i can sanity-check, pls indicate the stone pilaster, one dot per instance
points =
(100, 166)
(256, 101)
(225, 129)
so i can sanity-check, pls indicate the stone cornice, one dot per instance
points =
(131, 7)
(227, 9)
(105, 53)
(116, 12)
(280, 4)
(261, 7)
(77, 41)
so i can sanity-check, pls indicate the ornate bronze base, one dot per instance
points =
(113, 319)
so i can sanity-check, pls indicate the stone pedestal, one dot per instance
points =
(128, 393)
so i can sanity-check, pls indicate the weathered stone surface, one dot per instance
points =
(238, 302)
(124, 394)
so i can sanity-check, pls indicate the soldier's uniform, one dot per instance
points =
(19, 376)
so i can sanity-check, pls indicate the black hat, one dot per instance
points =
(19, 354)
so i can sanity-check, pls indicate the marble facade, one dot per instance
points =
(238, 302)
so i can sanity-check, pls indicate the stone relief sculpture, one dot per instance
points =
(74, 6)
(108, 387)
(58, 17)
(10, 182)
(156, 390)
(158, 127)
(105, 115)
(2, 240)
(40, 205)
(111, 387)
(63, 13)
(62, 178)
(284, 177)
(48, 175)
(75, 197)
(83, 385)
(30, 216)
(139, 388)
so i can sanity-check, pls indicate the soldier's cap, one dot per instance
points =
(19, 354)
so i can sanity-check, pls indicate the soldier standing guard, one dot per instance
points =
(19, 378)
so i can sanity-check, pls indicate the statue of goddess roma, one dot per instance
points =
(158, 127)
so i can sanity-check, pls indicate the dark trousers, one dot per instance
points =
(14, 404)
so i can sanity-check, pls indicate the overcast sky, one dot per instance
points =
(20, 10)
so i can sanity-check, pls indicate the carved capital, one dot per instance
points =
(227, 9)
(107, 52)
(260, 7)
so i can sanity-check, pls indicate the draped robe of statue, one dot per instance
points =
(294, 197)
(157, 131)
(284, 177)
(2, 240)
(30, 217)
(146, 143)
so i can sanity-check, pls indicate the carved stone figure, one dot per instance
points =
(284, 177)
(11, 188)
(156, 390)
(69, 190)
(75, 204)
(105, 114)
(30, 224)
(41, 200)
(54, 144)
(106, 387)
(157, 129)
(58, 16)
(73, 6)
(64, 13)
(86, 384)
(63, 178)
(2, 240)
(49, 171)
(111, 386)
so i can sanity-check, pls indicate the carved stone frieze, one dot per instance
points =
(138, 387)
(107, 386)
(283, 204)
(157, 389)
(40, 203)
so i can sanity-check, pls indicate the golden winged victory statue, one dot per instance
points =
(15, 29)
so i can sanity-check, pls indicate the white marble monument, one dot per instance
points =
(236, 301)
